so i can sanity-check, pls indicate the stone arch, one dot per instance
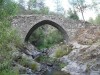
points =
(65, 35)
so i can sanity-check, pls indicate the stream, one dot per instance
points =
(49, 67)
(54, 72)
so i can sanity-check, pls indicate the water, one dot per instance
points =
(50, 70)
(54, 72)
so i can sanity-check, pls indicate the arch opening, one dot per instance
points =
(47, 22)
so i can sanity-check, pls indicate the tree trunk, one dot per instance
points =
(82, 15)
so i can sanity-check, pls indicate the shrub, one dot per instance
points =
(8, 37)
(42, 59)
(9, 72)
(45, 37)
(9, 40)
(6, 68)
(28, 63)
(63, 50)
(34, 66)
(60, 53)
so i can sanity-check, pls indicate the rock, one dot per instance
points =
(31, 50)
(88, 35)
(76, 45)
(24, 56)
(60, 50)
(95, 69)
(75, 69)
(83, 60)
(95, 73)
(31, 63)
(35, 53)
(50, 64)
(52, 51)
(29, 71)
(30, 47)
(21, 68)
(16, 54)
(65, 59)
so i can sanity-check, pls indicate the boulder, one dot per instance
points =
(83, 61)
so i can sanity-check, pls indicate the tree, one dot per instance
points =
(78, 5)
(45, 36)
(97, 19)
(59, 8)
(91, 20)
(73, 15)
(22, 3)
(37, 7)
(35, 4)
(44, 10)
(7, 8)
(1, 1)
(32, 4)
(95, 5)
(40, 4)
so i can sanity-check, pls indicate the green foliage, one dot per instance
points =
(6, 67)
(8, 41)
(43, 38)
(27, 63)
(58, 7)
(8, 37)
(7, 8)
(44, 10)
(97, 19)
(23, 62)
(62, 65)
(73, 15)
(78, 5)
(34, 66)
(91, 20)
(63, 50)
(31, 4)
(1, 1)
(9, 72)
(42, 59)
(60, 53)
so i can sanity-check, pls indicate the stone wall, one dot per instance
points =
(24, 23)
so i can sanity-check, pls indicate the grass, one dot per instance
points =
(9, 41)
(34, 66)
(6, 68)
(9, 72)
(28, 63)
(63, 50)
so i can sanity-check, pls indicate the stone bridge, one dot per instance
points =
(26, 24)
